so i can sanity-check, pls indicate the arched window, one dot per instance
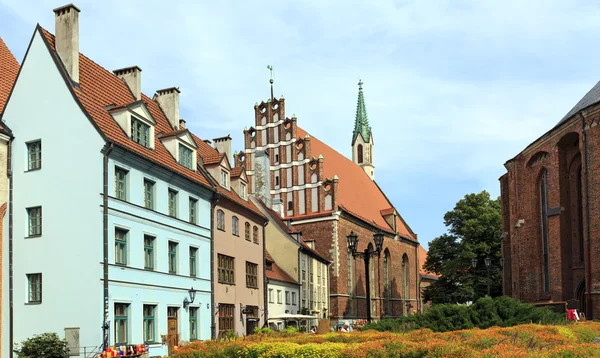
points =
(235, 226)
(359, 153)
(543, 188)
(220, 220)
(247, 227)
(405, 278)
(351, 284)
(255, 234)
(372, 282)
(387, 287)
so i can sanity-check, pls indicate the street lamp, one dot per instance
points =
(488, 263)
(192, 294)
(366, 255)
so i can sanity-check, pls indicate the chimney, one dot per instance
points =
(223, 145)
(262, 177)
(181, 124)
(133, 78)
(168, 99)
(278, 206)
(66, 28)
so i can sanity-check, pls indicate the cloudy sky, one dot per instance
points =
(453, 88)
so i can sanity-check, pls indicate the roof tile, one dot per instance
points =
(9, 68)
(276, 273)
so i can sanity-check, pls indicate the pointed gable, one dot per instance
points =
(9, 68)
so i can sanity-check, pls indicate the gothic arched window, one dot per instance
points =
(543, 187)
(359, 153)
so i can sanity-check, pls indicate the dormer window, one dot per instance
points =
(243, 191)
(186, 157)
(140, 132)
(224, 178)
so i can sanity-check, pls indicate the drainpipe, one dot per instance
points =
(105, 324)
(10, 249)
(588, 264)
(213, 204)
(265, 302)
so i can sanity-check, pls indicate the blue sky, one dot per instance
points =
(453, 88)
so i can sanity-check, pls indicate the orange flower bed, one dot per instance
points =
(530, 340)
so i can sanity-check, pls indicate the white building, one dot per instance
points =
(283, 293)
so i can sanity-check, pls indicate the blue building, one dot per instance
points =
(109, 209)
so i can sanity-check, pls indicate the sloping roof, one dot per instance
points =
(357, 193)
(236, 172)
(9, 68)
(590, 98)
(99, 88)
(422, 259)
(276, 273)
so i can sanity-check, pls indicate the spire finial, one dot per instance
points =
(360, 83)
(270, 68)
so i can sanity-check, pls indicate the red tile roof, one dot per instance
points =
(276, 273)
(357, 193)
(422, 259)
(9, 68)
(236, 172)
(100, 88)
(213, 158)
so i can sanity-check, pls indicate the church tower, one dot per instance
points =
(362, 138)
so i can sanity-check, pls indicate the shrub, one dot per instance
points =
(484, 313)
(47, 345)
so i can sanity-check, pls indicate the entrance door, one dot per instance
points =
(172, 326)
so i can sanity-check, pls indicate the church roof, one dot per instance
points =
(361, 122)
(422, 259)
(591, 98)
(9, 68)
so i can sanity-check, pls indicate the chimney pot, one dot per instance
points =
(223, 145)
(66, 23)
(133, 78)
(181, 124)
(168, 99)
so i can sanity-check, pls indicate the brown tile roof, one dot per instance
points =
(388, 211)
(236, 172)
(171, 133)
(9, 68)
(422, 259)
(213, 158)
(99, 88)
(276, 273)
(357, 193)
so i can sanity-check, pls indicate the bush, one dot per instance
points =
(47, 345)
(484, 313)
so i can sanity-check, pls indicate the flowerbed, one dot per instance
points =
(530, 340)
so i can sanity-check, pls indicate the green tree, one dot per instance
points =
(474, 228)
(45, 345)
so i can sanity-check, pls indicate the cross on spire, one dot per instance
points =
(361, 122)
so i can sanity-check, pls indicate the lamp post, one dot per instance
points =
(366, 255)
(488, 263)
(192, 295)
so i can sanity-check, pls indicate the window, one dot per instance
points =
(279, 296)
(140, 132)
(34, 155)
(255, 234)
(121, 313)
(359, 153)
(387, 288)
(121, 247)
(172, 257)
(226, 273)
(294, 298)
(243, 191)
(193, 205)
(287, 297)
(543, 187)
(405, 278)
(193, 252)
(186, 156)
(148, 194)
(149, 326)
(148, 252)
(270, 295)
(225, 318)
(34, 283)
(290, 205)
(193, 323)
(172, 203)
(35, 221)
(235, 226)
(121, 183)
(220, 220)
(247, 227)
(223, 178)
(251, 275)
(277, 181)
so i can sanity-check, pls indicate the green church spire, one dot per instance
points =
(361, 123)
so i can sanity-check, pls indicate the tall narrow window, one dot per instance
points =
(193, 264)
(405, 278)
(224, 178)
(34, 283)
(120, 183)
(193, 323)
(220, 220)
(172, 257)
(192, 210)
(243, 191)
(186, 156)
(34, 155)
(247, 229)
(387, 288)
(149, 326)
(226, 273)
(580, 214)
(172, 203)
(148, 252)
(251, 275)
(140, 132)
(255, 234)
(351, 285)
(226, 315)
(359, 153)
(35, 221)
(544, 220)
(235, 226)
(121, 313)
(148, 194)
(120, 247)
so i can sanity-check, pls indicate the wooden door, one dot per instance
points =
(172, 327)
